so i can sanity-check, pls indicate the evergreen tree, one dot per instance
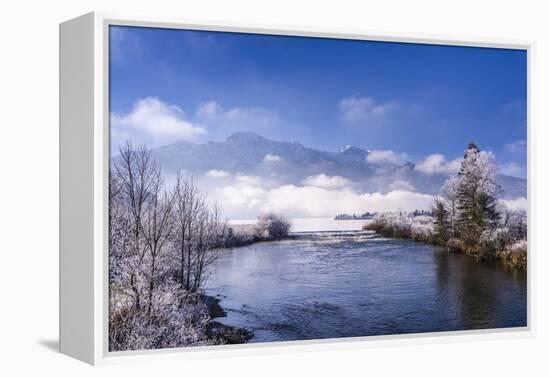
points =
(450, 192)
(476, 194)
(442, 224)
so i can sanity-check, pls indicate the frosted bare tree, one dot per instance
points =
(197, 231)
(136, 172)
(188, 204)
(210, 234)
(161, 244)
(156, 226)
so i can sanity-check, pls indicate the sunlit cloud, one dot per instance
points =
(247, 197)
(272, 158)
(437, 164)
(154, 123)
(400, 185)
(217, 173)
(215, 116)
(381, 156)
(326, 181)
(356, 109)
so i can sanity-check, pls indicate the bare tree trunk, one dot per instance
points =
(151, 286)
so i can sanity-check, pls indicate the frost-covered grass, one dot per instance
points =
(399, 225)
(174, 321)
(503, 243)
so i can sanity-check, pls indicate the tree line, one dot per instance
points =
(161, 244)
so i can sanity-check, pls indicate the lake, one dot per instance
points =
(340, 281)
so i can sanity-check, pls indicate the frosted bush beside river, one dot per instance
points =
(506, 242)
(399, 225)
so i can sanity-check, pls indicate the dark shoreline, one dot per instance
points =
(219, 332)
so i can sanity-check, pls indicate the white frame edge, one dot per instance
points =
(84, 116)
(76, 272)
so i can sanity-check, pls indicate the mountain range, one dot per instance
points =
(247, 153)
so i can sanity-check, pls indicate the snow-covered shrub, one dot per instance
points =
(399, 225)
(511, 229)
(422, 228)
(272, 226)
(488, 243)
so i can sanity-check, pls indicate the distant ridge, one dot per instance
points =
(248, 153)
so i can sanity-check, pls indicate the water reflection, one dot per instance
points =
(481, 294)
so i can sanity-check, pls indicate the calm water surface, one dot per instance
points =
(352, 283)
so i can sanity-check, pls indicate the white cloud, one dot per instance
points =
(247, 198)
(153, 122)
(515, 204)
(209, 109)
(378, 156)
(248, 180)
(217, 173)
(400, 185)
(361, 109)
(437, 164)
(235, 197)
(256, 119)
(326, 181)
(242, 197)
(517, 146)
(513, 169)
(272, 158)
(307, 201)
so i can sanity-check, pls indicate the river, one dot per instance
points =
(344, 282)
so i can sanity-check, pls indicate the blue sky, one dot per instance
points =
(407, 99)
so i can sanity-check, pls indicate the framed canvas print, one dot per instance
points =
(225, 187)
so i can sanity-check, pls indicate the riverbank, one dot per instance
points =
(421, 229)
(513, 255)
(217, 331)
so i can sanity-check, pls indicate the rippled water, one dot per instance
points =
(352, 283)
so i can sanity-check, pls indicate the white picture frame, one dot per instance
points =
(84, 153)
